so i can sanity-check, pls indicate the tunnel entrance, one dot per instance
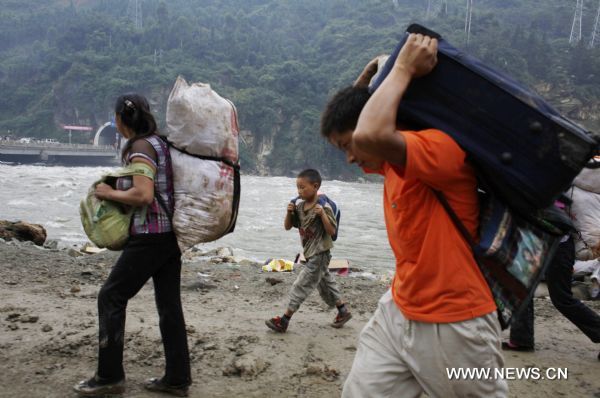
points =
(108, 135)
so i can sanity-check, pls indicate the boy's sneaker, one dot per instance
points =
(158, 385)
(341, 319)
(277, 324)
(94, 388)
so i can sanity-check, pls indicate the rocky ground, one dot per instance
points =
(48, 331)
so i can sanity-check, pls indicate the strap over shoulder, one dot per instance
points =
(141, 169)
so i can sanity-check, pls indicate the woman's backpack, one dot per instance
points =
(202, 133)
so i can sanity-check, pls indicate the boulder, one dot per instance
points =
(22, 231)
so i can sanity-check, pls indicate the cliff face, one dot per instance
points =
(589, 114)
(573, 105)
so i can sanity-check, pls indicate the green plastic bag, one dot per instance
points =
(106, 223)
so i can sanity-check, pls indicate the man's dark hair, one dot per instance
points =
(311, 175)
(342, 111)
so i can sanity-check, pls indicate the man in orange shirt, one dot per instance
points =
(439, 313)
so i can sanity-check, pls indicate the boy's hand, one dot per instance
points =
(290, 208)
(319, 210)
(418, 56)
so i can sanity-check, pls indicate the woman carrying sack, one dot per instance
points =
(151, 252)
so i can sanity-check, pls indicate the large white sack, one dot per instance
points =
(588, 266)
(204, 191)
(585, 212)
(201, 122)
(588, 180)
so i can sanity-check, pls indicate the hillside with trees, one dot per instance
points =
(65, 62)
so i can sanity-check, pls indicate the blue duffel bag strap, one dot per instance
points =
(504, 314)
(459, 225)
(498, 254)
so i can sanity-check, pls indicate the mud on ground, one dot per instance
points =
(48, 331)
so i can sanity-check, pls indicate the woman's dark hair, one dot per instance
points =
(134, 111)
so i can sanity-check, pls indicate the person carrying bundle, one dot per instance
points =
(150, 252)
(439, 312)
(317, 225)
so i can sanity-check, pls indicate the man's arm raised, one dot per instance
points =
(375, 132)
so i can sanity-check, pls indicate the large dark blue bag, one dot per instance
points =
(524, 150)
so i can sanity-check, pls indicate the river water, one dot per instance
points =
(50, 196)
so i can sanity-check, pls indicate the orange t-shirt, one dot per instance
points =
(437, 279)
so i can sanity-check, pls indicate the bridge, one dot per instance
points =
(105, 150)
(21, 152)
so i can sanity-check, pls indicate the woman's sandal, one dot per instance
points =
(157, 385)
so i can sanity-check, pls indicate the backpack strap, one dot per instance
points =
(323, 200)
(228, 162)
(161, 145)
(162, 204)
(454, 217)
(502, 317)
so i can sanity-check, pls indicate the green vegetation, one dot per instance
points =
(65, 62)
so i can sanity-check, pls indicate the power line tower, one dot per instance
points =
(468, 18)
(158, 54)
(576, 27)
(596, 30)
(134, 12)
(436, 7)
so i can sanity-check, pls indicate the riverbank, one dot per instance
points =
(362, 237)
(49, 331)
